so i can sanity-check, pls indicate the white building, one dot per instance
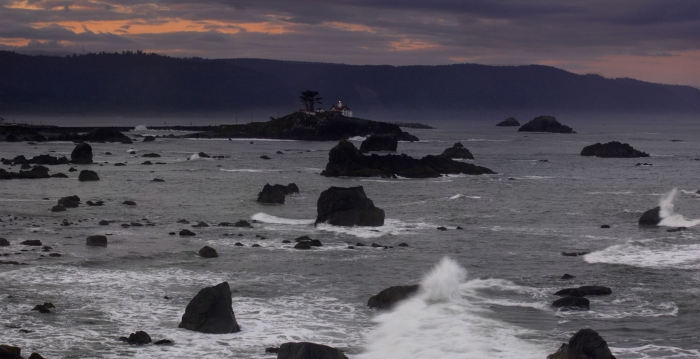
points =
(341, 109)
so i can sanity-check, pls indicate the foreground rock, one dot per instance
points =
(307, 350)
(387, 298)
(210, 311)
(457, 151)
(4, 242)
(545, 124)
(379, 143)
(585, 344)
(299, 126)
(612, 149)
(348, 207)
(276, 193)
(510, 121)
(96, 241)
(584, 291)
(346, 160)
(87, 175)
(208, 252)
(82, 154)
(651, 217)
(10, 352)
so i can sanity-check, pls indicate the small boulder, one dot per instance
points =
(605, 226)
(32, 242)
(676, 229)
(200, 225)
(390, 296)
(585, 344)
(573, 254)
(58, 208)
(69, 202)
(139, 338)
(306, 350)
(149, 139)
(584, 291)
(103, 223)
(150, 155)
(243, 223)
(208, 252)
(87, 175)
(4, 242)
(96, 241)
(186, 233)
(82, 154)
(129, 203)
(265, 157)
(567, 276)
(163, 342)
(303, 245)
(579, 303)
(210, 311)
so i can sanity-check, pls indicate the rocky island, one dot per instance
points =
(545, 124)
(612, 149)
(508, 122)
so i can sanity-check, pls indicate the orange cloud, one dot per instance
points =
(17, 42)
(131, 27)
(412, 45)
(348, 27)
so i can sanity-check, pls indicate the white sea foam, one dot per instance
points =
(441, 322)
(459, 195)
(250, 170)
(655, 351)
(671, 219)
(649, 255)
(692, 193)
(140, 128)
(131, 151)
(357, 138)
(266, 218)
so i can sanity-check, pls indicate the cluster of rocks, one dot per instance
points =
(37, 172)
(36, 160)
(574, 298)
(612, 149)
(66, 202)
(276, 194)
(545, 124)
(346, 160)
(13, 352)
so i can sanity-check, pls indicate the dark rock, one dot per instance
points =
(72, 169)
(152, 155)
(348, 207)
(376, 245)
(272, 350)
(459, 228)
(302, 238)
(139, 338)
(82, 154)
(136, 224)
(271, 194)
(238, 244)
(59, 175)
(149, 139)
(651, 217)
(584, 291)
(147, 163)
(186, 233)
(37, 172)
(210, 311)
(286, 241)
(359, 244)
(104, 134)
(441, 228)
(677, 229)
(58, 208)
(32, 242)
(605, 226)
(200, 225)
(103, 223)
(306, 350)
(390, 296)
(457, 151)
(203, 155)
(303, 245)
(96, 241)
(54, 254)
(70, 201)
(8, 351)
(573, 254)
(35, 355)
(585, 344)
(572, 303)
(87, 175)
(208, 252)
(279, 152)
(567, 276)
(545, 124)
(291, 188)
(184, 221)
(345, 160)
(242, 223)
(403, 244)
(384, 142)
(265, 157)
(43, 308)
(4, 242)
(612, 149)
(510, 121)
(26, 166)
(163, 342)
(157, 180)
(129, 203)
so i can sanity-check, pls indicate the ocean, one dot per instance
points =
(486, 289)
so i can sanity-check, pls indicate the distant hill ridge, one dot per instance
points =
(137, 83)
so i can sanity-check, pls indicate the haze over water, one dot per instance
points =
(486, 289)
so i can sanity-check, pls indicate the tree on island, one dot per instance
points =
(309, 99)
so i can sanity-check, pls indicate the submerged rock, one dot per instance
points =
(384, 142)
(348, 207)
(186, 233)
(210, 311)
(584, 291)
(345, 160)
(32, 242)
(510, 121)
(307, 350)
(579, 303)
(96, 241)
(387, 298)
(82, 154)
(585, 344)
(58, 208)
(457, 151)
(612, 149)
(545, 124)
(139, 338)
(651, 217)
(243, 223)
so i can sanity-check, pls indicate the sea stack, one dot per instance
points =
(210, 311)
(82, 154)
(348, 207)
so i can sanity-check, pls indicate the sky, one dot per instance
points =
(650, 40)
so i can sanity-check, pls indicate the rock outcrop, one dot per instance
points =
(545, 124)
(612, 149)
(346, 160)
(348, 207)
(87, 175)
(276, 193)
(96, 241)
(208, 252)
(307, 350)
(585, 344)
(82, 154)
(387, 298)
(4, 242)
(651, 217)
(386, 142)
(37, 172)
(457, 151)
(510, 121)
(584, 291)
(210, 311)
(105, 134)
